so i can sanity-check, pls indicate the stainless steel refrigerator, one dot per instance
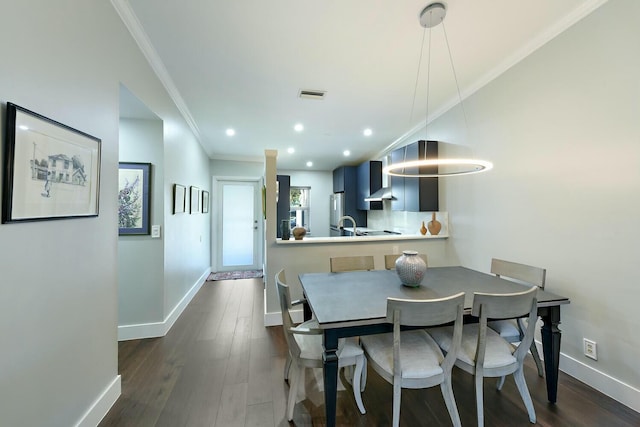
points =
(336, 210)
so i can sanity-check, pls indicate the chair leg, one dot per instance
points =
(479, 399)
(524, 393)
(536, 358)
(500, 383)
(397, 394)
(293, 389)
(363, 378)
(447, 393)
(287, 366)
(356, 383)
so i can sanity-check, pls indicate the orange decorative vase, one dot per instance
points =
(434, 225)
(423, 229)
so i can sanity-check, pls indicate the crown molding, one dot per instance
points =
(130, 20)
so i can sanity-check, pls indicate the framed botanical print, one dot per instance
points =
(134, 201)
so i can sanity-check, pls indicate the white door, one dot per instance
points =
(238, 240)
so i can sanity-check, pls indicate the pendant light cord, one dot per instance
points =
(455, 78)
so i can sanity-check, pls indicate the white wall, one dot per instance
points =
(141, 258)
(563, 130)
(58, 309)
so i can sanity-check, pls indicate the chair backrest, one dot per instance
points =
(525, 273)
(285, 304)
(432, 312)
(390, 260)
(351, 263)
(505, 306)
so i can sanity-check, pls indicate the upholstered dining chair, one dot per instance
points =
(305, 350)
(412, 359)
(390, 260)
(351, 263)
(484, 353)
(512, 330)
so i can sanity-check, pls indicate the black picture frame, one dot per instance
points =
(51, 171)
(205, 201)
(194, 205)
(179, 196)
(134, 198)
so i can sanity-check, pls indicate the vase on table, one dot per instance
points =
(284, 229)
(410, 268)
(434, 225)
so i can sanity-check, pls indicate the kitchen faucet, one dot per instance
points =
(350, 218)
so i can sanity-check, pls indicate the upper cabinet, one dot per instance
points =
(369, 181)
(415, 194)
(345, 180)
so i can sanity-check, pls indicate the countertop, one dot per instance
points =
(359, 239)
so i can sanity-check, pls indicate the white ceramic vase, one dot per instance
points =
(410, 268)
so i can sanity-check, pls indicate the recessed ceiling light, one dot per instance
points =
(291, 150)
(230, 132)
(367, 132)
(346, 153)
(309, 164)
(23, 127)
(298, 127)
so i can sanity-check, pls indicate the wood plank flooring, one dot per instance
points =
(219, 366)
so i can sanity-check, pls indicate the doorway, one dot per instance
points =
(238, 225)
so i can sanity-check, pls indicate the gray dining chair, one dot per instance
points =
(351, 263)
(305, 350)
(390, 260)
(412, 359)
(511, 330)
(484, 353)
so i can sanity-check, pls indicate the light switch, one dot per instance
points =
(155, 231)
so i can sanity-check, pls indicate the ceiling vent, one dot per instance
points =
(312, 94)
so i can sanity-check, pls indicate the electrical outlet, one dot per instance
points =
(590, 349)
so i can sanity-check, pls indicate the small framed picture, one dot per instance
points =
(205, 201)
(179, 195)
(134, 201)
(52, 171)
(195, 200)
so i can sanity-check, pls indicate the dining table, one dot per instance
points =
(354, 303)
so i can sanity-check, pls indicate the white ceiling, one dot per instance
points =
(242, 63)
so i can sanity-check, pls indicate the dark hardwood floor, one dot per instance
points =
(219, 366)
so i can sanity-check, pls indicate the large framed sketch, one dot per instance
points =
(134, 201)
(51, 171)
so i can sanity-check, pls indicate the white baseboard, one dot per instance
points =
(102, 404)
(604, 383)
(160, 329)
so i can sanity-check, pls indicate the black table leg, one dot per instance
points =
(551, 348)
(330, 369)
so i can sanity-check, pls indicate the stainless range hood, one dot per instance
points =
(382, 194)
